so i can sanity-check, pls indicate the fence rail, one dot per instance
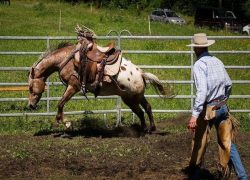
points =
(119, 39)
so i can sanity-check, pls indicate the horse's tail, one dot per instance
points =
(153, 79)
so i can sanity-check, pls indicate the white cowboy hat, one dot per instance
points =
(200, 40)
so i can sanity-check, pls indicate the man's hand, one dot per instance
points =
(192, 123)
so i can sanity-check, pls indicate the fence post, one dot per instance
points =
(118, 99)
(48, 82)
(149, 26)
(118, 102)
(192, 78)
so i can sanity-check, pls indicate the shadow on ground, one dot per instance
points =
(203, 174)
(86, 128)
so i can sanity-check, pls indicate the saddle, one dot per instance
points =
(109, 53)
(103, 62)
(107, 48)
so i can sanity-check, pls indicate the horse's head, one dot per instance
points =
(36, 88)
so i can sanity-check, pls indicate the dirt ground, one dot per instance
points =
(99, 153)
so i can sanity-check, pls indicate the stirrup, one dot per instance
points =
(83, 89)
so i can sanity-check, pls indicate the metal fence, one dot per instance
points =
(119, 38)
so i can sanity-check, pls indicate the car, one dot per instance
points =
(216, 18)
(167, 16)
(246, 30)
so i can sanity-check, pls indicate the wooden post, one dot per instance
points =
(60, 17)
(149, 28)
(91, 7)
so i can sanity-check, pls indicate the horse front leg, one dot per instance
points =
(69, 92)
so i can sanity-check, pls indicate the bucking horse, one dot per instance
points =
(91, 68)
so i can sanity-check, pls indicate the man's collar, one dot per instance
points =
(204, 54)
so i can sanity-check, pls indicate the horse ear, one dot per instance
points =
(32, 73)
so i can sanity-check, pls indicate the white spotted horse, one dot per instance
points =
(128, 82)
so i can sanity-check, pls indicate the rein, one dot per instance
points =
(66, 61)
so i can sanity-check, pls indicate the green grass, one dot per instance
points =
(34, 18)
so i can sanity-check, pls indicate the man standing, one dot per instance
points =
(213, 87)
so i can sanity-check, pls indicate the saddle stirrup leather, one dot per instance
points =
(82, 71)
(100, 72)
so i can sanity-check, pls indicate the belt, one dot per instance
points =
(219, 103)
(217, 106)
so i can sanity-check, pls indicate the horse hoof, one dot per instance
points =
(147, 130)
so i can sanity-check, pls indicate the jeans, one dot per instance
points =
(237, 164)
(221, 115)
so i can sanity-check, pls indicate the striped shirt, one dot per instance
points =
(211, 81)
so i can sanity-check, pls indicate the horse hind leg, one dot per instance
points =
(135, 107)
(147, 107)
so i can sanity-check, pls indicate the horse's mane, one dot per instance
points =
(50, 50)
(63, 44)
